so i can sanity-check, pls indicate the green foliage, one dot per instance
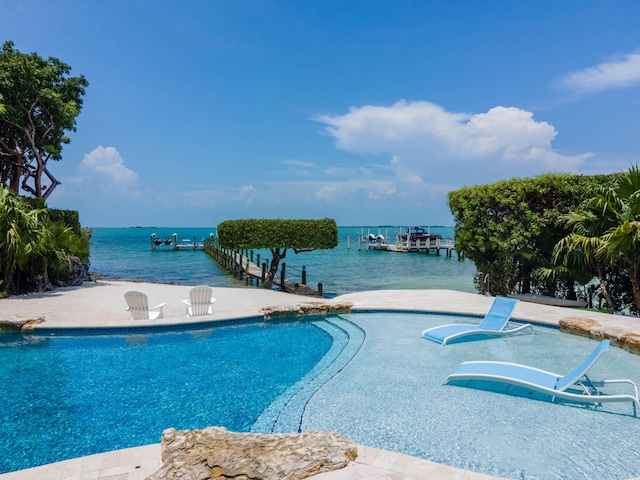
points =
(509, 228)
(39, 104)
(38, 246)
(263, 233)
(18, 225)
(605, 234)
(278, 236)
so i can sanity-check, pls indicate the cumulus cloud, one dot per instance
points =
(622, 72)
(104, 168)
(419, 135)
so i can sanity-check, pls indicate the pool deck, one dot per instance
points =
(101, 305)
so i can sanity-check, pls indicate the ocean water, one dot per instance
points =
(125, 253)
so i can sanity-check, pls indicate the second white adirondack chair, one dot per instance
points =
(200, 301)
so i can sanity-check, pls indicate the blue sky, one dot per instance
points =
(367, 112)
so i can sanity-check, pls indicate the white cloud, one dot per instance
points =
(246, 194)
(104, 168)
(422, 136)
(622, 72)
(371, 129)
(298, 163)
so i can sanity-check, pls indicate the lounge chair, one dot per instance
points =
(574, 386)
(200, 301)
(492, 325)
(138, 305)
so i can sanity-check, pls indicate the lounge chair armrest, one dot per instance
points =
(158, 307)
(617, 380)
(186, 302)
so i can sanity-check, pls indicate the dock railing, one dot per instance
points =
(246, 265)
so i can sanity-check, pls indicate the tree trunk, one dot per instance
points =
(16, 172)
(277, 255)
(571, 289)
(604, 290)
(635, 285)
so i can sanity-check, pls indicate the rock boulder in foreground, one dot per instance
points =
(217, 454)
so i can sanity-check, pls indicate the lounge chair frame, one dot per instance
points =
(493, 324)
(552, 384)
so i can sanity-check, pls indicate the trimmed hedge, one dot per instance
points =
(264, 233)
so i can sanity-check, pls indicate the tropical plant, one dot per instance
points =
(35, 250)
(509, 230)
(606, 236)
(620, 244)
(579, 251)
(18, 223)
(278, 236)
(47, 256)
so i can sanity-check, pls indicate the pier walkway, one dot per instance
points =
(245, 265)
(427, 246)
(238, 262)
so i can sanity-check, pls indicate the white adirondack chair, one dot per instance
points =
(138, 305)
(200, 301)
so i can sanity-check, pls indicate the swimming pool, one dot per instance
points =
(384, 388)
(69, 396)
(393, 395)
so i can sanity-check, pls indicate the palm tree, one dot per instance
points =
(606, 233)
(578, 251)
(621, 242)
(18, 223)
(34, 250)
(48, 253)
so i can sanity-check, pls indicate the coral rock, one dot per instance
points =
(614, 334)
(631, 341)
(20, 324)
(578, 326)
(217, 454)
(303, 309)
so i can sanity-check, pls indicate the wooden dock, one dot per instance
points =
(171, 243)
(436, 245)
(243, 264)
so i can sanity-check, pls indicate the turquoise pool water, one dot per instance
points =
(393, 395)
(64, 397)
(368, 376)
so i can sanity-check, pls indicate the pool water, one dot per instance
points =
(64, 397)
(368, 376)
(393, 395)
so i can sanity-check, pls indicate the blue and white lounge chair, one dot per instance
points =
(574, 386)
(492, 325)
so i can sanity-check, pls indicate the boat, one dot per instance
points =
(418, 234)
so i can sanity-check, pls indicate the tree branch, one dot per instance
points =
(302, 250)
